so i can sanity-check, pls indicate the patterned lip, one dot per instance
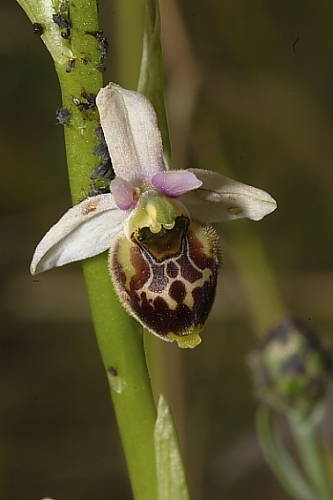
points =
(172, 286)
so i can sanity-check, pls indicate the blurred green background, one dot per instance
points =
(249, 94)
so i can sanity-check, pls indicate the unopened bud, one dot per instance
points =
(291, 368)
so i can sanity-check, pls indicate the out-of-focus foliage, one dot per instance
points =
(263, 112)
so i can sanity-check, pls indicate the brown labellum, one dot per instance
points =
(167, 280)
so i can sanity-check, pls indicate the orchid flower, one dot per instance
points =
(163, 257)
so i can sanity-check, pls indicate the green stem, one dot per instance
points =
(120, 342)
(311, 453)
(78, 62)
(119, 337)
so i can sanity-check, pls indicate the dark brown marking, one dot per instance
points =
(172, 270)
(157, 316)
(197, 252)
(204, 297)
(188, 272)
(141, 267)
(160, 318)
(178, 291)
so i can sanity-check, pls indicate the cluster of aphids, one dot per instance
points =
(103, 173)
(103, 46)
(62, 19)
(88, 103)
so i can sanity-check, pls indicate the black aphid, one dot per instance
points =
(103, 42)
(71, 65)
(95, 190)
(104, 171)
(101, 68)
(102, 150)
(90, 98)
(99, 134)
(90, 101)
(103, 46)
(61, 21)
(83, 106)
(100, 171)
(96, 34)
(63, 116)
(38, 29)
(103, 174)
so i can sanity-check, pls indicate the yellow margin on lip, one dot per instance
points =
(186, 341)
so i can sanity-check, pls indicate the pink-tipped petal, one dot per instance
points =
(85, 230)
(131, 132)
(175, 183)
(122, 193)
(220, 198)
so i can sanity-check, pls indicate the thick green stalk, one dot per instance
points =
(119, 337)
(120, 341)
(311, 453)
(78, 64)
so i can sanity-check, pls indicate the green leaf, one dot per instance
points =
(171, 474)
(280, 461)
(311, 452)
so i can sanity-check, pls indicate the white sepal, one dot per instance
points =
(85, 230)
(131, 132)
(220, 198)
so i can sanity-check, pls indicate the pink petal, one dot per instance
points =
(175, 183)
(122, 193)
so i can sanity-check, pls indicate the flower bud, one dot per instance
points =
(291, 368)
